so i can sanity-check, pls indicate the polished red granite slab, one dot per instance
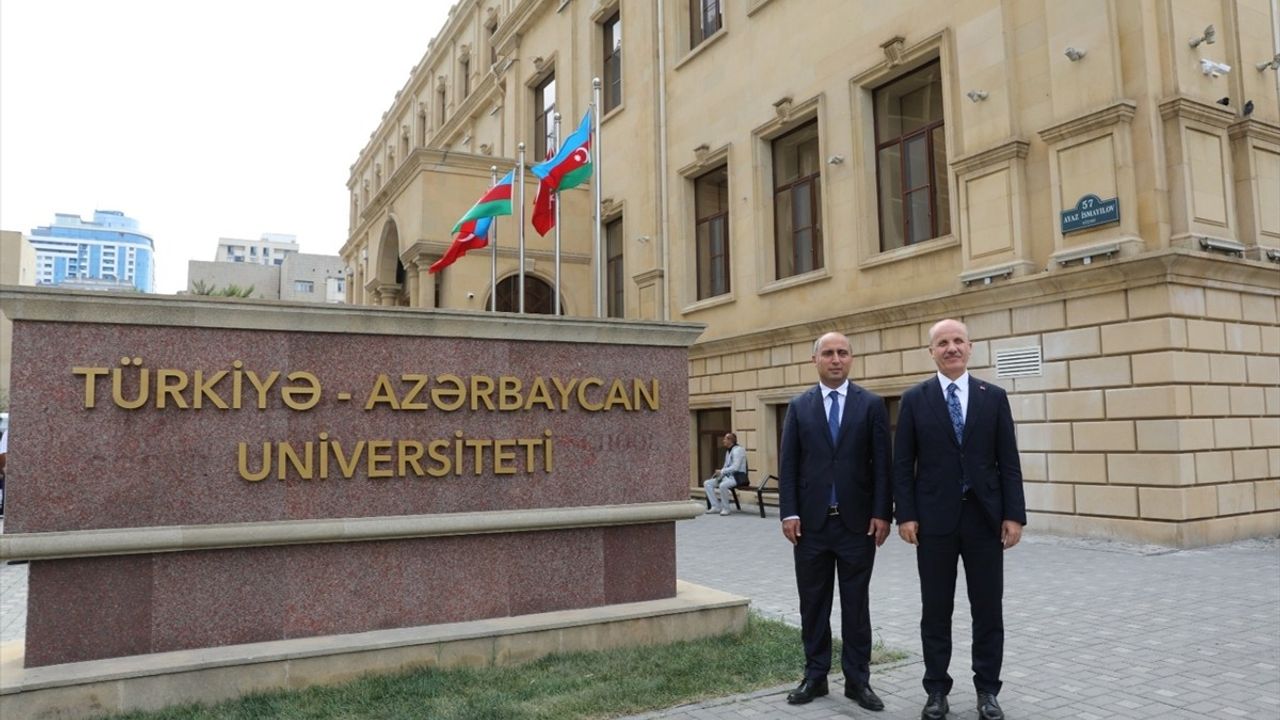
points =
(77, 468)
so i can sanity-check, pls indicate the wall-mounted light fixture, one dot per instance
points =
(1212, 68)
(1073, 54)
(1272, 64)
(976, 95)
(1207, 38)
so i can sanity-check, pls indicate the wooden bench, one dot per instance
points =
(760, 491)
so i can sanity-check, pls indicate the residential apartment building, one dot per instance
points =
(106, 253)
(270, 249)
(1094, 187)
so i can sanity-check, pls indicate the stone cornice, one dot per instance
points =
(179, 538)
(1254, 129)
(1011, 149)
(21, 303)
(1202, 112)
(507, 37)
(1114, 114)
(1171, 265)
(424, 160)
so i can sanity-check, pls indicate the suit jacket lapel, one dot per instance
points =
(977, 403)
(933, 397)
(851, 398)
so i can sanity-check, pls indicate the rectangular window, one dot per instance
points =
(544, 108)
(711, 231)
(614, 289)
(464, 69)
(911, 159)
(712, 425)
(797, 201)
(304, 286)
(704, 20)
(612, 89)
(490, 30)
(440, 100)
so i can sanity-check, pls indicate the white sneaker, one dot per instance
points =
(724, 512)
(711, 511)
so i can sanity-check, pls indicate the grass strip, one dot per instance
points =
(600, 684)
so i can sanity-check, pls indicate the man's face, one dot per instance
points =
(833, 359)
(727, 441)
(950, 347)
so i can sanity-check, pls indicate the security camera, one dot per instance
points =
(1213, 68)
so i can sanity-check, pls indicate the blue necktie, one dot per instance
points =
(833, 424)
(957, 417)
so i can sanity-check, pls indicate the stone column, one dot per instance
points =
(388, 294)
(426, 282)
(411, 274)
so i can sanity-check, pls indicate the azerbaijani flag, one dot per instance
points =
(474, 235)
(496, 201)
(570, 167)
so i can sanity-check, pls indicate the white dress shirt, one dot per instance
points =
(962, 391)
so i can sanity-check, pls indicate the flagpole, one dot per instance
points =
(598, 264)
(556, 296)
(493, 249)
(520, 223)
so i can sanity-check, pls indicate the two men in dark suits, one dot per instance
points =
(957, 486)
(834, 497)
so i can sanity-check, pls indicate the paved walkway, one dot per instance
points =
(1094, 630)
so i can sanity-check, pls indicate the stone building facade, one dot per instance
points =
(1094, 187)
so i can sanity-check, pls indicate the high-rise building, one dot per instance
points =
(270, 249)
(108, 252)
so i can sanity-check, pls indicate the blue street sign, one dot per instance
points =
(1090, 212)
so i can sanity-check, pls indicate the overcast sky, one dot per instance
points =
(200, 120)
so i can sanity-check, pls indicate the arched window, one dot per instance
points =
(537, 295)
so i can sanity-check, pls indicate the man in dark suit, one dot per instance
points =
(957, 486)
(834, 497)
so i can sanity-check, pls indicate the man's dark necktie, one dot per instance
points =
(957, 416)
(957, 424)
(833, 424)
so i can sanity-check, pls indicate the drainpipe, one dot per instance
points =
(663, 244)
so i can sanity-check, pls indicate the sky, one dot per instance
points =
(200, 120)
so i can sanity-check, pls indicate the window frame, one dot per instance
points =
(615, 269)
(698, 30)
(611, 61)
(699, 220)
(543, 116)
(814, 181)
(927, 131)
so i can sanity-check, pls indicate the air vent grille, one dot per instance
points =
(1018, 362)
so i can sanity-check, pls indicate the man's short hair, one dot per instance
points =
(818, 342)
(732, 436)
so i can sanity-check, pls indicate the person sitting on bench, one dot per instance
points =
(734, 474)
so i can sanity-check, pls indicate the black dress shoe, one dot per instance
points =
(935, 708)
(864, 696)
(807, 690)
(988, 708)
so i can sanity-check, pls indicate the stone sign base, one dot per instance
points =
(209, 675)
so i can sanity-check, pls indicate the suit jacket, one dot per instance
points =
(858, 463)
(929, 464)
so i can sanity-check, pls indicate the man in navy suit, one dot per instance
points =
(834, 497)
(957, 487)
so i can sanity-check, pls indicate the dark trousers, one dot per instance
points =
(978, 545)
(819, 555)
